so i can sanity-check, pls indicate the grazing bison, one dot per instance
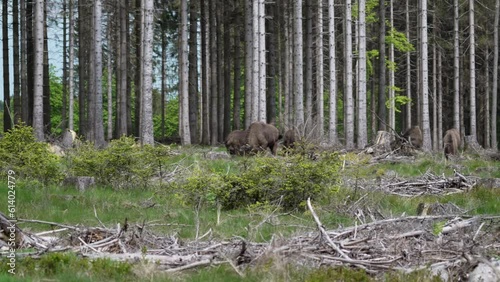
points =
(451, 141)
(261, 136)
(290, 138)
(235, 142)
(414, 136)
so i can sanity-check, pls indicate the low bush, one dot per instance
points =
(123, 164)
(28, 158)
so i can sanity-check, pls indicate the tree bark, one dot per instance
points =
(71, 59)
(456, 67)
(332, 126)
(349, 103)
(494, 92)
(248, 61)
(193, 71)
(320, 87)
(426, 146)
(382, 112)
(205, 72)
(362, 122)
(147, 137)
(17, 82)
(184, 78)
(298, 65)
(38, 72)
(472, 73)
(7, 110)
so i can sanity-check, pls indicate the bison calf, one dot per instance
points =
(451, 141)
(235, 142)
(261, 136)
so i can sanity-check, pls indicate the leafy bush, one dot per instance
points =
(123, 164)
(265, 180)
(20, 152)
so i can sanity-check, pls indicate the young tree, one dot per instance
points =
(38, 72)
(147, 136)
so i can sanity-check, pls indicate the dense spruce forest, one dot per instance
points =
(193, 71)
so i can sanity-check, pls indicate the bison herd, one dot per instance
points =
(261, 136)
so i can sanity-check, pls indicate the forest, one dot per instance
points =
(193, 71)
(141, 96)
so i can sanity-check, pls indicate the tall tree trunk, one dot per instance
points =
(408, 69)
(255, 63)
(30, 61)
(425, 77)
(213, 74)
(272, 63)
(38, 72)
(205, 67)
(193, 71)
(220, 70)
(382, 112)
(362, 122)
(7, 110)
(486, 125)
(83, 34)
(184, 78)
(262, 62)
(320, 87)
(163, 82)
(110, 82)
(65, 71)
(332, 126)
(227, 72)
(25, 110)
(17, 82)
(237, 37)
(46, 79)
(308, 80)
(472, 70)
(349, 103)
(138, 74)
(121, 94)
(392, 105)
(70, 66)
(147, 136)
(248, 61)
(287, 69)
(435, 144)
(456, 67)
(440, 100)
(97, 110)
(494, 98)
(298, 65)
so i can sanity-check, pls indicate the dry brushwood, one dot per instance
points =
(406, 243)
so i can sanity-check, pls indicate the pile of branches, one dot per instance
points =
(427, 184)
(453, 244)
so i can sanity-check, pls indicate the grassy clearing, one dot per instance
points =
(165, 204)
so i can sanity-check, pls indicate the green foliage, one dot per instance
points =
(123, 164)
(171, 119)
(20, 152)
(398, 100)
(292, 180)
(399, 40)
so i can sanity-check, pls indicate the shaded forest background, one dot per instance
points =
(192, 71)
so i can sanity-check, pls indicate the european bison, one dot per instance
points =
(261, 136)
(235, 142)
(290, 138)
(414, 136)
(451, 141)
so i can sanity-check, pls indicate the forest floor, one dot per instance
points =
(396, 217)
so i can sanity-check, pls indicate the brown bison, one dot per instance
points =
(261, 135)
(414, 136)
(290, 138)
(451, 141)
(235, 142)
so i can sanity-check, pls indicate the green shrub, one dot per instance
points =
(20, 152)
(265, 180)
(123, 164)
